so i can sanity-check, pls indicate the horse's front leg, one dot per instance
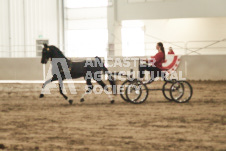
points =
(90, 87)
(54, 78)
(61, 92)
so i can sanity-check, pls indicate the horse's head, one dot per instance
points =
(45, 54)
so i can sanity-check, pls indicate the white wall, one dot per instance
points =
(183, 35)
(86, 29)
(43, 18)
(4, 28)
(186, 29)
(177, 21)
(170, 9)
(181, 32)
(25, 21)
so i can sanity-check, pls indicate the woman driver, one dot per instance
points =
(157, 61)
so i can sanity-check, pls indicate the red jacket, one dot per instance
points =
(171, 53)
(158, 59)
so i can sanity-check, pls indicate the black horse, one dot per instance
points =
(76, 70)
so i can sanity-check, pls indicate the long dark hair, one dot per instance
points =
(160, 44)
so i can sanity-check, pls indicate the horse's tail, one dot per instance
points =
(110, 76)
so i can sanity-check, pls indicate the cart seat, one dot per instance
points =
(171, 65)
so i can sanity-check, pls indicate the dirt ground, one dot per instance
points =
(50, 123)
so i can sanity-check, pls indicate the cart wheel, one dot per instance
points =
(176, 90)
(181, 91)
(136, 92)
(166, 90)
(123, 90)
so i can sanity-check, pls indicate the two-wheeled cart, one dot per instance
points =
(134, 91)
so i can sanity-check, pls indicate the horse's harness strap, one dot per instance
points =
(69, 66)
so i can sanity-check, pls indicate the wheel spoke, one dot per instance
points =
(183, 92)
(136, 92)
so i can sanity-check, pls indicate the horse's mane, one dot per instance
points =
(57, 50)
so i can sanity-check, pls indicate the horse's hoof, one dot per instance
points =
(41, 96)
(70, 102)
(82, 100)
(112, 101)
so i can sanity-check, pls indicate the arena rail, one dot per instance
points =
(213, 47)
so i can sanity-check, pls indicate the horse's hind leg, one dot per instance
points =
(54, 78)
(61, 92)
(90, 87)
(100, 82)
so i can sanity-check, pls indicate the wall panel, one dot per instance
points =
(41, 23)
(4, 28)
(170, 9)
(87, 13)
(197, 67)
(25, 21)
